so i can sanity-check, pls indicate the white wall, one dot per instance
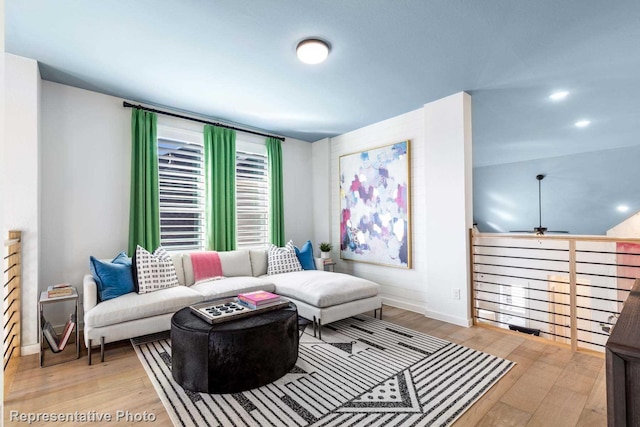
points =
(404, 288)
(630, 227)
(85, 177)
(440, 135)
(297, 174)
(21, 211)
(2, 163)
(449, 210)
(321, 191)
(85, 174)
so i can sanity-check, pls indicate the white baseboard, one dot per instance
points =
(460, 321)
(403, 305)
(467, 323)
(26, 350)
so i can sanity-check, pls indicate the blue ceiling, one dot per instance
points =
(234, 60)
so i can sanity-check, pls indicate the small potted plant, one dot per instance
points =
(325, 249)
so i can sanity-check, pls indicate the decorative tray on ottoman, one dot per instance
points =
(226, 309)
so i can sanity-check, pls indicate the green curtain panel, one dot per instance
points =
(144, 217)
(220, 187)
(276, 206)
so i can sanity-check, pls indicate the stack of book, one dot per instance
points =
(327, 261)
(58, 343)
(258, 299)
(61, 290)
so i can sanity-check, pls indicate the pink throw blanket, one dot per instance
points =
(206, 265)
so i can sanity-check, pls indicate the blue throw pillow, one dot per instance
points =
(305, 256)
(113, 278)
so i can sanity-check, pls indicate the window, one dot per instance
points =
(181, 187)
(513, 305)
(182, 197)
(252, 200)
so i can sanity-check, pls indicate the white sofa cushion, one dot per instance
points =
(137, 306)
(176, 257)
(322, 288)
(259, 261)
(234, 263)
(232, 286)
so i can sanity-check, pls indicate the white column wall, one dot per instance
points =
(21, 170)
(2, 163)
(449, 211)
(441, 207)
(321, 192)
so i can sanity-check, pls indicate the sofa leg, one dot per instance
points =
(377, 313)
(89, 352)
(101, 349)
(314, 326)
(319, 329)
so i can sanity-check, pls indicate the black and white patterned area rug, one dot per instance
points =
(364, 372)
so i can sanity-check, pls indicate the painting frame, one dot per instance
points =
(375, 224)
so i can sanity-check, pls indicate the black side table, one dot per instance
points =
(234, 356)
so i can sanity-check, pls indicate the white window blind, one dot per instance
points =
(181, 179)
(252, 200)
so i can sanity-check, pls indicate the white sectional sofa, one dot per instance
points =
(320, 296)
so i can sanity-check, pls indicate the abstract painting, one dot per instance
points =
(375, 220)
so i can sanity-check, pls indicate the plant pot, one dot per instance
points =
(325, 255)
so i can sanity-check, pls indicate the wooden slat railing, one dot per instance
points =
(11, 304)
(568, 289)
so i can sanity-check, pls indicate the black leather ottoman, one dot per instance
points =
(233, 356)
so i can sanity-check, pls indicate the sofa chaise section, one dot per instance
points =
(325, 297)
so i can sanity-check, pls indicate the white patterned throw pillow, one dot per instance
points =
(282, 260)
(154, 271)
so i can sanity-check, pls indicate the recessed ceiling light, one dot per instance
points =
(312, 51)
(557, 96)
(582, 123)
(622, 208)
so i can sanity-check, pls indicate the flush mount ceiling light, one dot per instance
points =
(582, 123)
(557, 96)
(312, 51)
(622, 208)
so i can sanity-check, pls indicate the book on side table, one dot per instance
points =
(66, 333)
(58, 343)
(61, 290)
(51, 336)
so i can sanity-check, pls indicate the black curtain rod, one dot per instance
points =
(193, 119)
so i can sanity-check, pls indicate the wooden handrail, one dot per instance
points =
(569, 237)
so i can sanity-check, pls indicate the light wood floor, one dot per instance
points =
(549, 386)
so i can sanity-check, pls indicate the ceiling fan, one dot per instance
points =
(539, 230)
